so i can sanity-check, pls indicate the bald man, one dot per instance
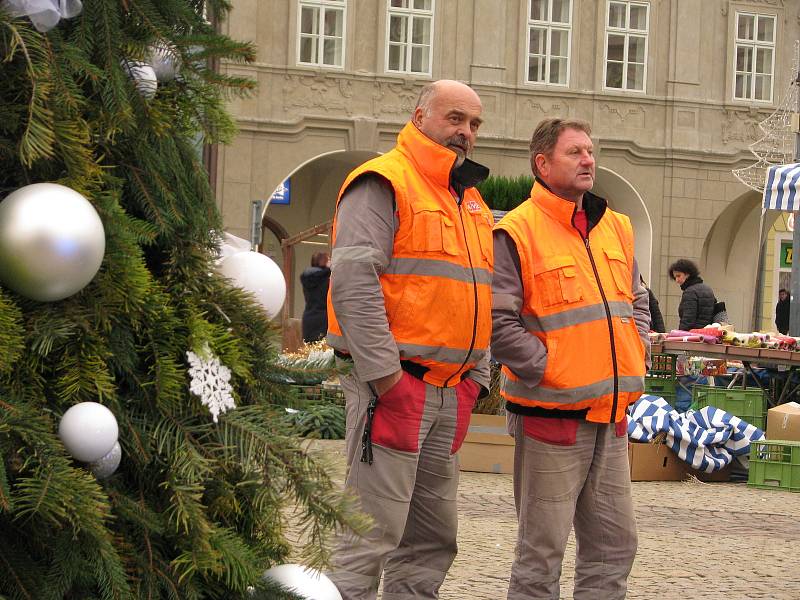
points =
(410, 314)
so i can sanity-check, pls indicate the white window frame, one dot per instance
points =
(627, 32)
(548, 25)
(323, 6)
(410, 13)
(754, 44)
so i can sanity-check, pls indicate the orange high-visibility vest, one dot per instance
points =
(437, 287)
(578, 300)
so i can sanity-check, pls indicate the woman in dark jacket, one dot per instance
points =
(315, 280)
(697, 307)
(782, 311)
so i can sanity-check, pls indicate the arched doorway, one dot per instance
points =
(730, 258)
(623, 197)
(314, 187)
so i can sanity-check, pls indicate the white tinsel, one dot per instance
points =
(210, 381)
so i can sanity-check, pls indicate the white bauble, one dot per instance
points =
(164, 62)
(258, 274)
(89, 431)
(52, 241)
(143, 76)
(106, 466)
(309, 584)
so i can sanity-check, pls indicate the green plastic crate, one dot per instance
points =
(775, 465)
(659, 386)
(749, 404)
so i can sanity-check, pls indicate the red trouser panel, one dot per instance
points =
(561, 432)
(398, 415)
(467, 393)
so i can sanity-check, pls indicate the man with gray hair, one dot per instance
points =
(410, 313)
(570, 323)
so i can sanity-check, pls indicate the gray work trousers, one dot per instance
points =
(410, 489)
(586, 486)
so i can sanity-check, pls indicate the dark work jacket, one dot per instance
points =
(782, 315)
(696, 309)
(315, 282)
(656, 319)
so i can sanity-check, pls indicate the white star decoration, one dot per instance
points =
(210, 381)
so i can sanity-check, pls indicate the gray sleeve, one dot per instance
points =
(481, 374)
(641, 310)
(365, 229)
(512, 345)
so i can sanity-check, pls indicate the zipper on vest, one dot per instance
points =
(474, 293)
(610, 328)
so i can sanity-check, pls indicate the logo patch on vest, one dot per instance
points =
(473, 206)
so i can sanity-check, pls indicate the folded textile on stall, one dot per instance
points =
(678, 335)
(707, 439)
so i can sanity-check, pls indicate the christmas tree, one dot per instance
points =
(196, 508)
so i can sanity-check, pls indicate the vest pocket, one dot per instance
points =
(556, 280)
(623, 278)
(434, 231)
(484, 237)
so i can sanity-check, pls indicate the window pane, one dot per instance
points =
(638, 18)
(636, 49)
(308, 49)
(616, 47)
(560, 11)
(745, 29)
(763, 87)
(536, 69)
(614, 75)
(539, 10)
(558, 70)
(764, 60)
(396, 58)
(419, 59)
(421, 31)
(743, 86)
(616, 15)
(309, 20)
(397, 29)
(400, 3)
(537, 40)
(635, 77)
(422, 4)
(558, 43)
(766, 29)
(332, 52)
(333, 22)
(744, 58)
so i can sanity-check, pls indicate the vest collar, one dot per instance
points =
(437, 162)
(563, 210)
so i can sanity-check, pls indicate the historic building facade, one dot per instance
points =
(674, 90)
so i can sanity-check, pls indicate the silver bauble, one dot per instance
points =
(143, 76)
(164, 62)
(51, 241)
(106, 466)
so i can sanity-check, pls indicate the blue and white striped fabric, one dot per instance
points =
(780, 190)
(707, 439)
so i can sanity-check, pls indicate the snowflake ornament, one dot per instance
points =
(210, 381)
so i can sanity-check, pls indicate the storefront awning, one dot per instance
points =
(780, 191)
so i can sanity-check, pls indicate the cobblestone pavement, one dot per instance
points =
(697, 541)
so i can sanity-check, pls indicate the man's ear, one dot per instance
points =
(418, 116)
(541, 164)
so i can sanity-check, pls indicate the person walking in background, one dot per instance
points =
(570, 321)
(782, 311)
(698, 304)
(656, 318)
(315, 281)
(410, 310)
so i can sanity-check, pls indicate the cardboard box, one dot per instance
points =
(487, 448)
(783, 422)
(655, 462)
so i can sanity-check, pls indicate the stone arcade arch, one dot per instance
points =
(314, 187)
